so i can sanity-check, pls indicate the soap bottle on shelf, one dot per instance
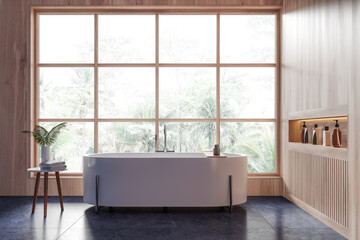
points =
(315, 137)
(326, 137)
(336, 136)
(304, 133)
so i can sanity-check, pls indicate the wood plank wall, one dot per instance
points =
(320, 185)
(354, 125)
(15, 52)
(319, 72)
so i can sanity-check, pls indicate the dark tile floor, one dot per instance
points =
(260, 218)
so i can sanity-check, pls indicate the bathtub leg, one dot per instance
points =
(230, 189)
(97, 194)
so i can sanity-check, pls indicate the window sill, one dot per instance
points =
(80, 175)
(264, 177)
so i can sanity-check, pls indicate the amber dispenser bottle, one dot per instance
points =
(336, 136)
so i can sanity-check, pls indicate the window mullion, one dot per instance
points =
(157, 78)
(96, 84)
(218, 78)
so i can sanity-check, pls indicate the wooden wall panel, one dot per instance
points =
(354, 126)
(320, 184)
(14, 96)
(264, 186)
(316, 57)
(316, 64)
(318, 76)
(316, 60)
(15, 69)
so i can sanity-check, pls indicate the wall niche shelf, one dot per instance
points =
(319, 150)
(321, 117)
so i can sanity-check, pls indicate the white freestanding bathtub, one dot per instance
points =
(164, 180)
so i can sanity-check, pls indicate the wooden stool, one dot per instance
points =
(38, 172)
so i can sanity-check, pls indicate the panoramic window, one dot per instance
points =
(118, 79)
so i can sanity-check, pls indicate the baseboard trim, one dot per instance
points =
(264, 186)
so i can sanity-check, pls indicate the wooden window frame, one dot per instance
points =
(36, 11)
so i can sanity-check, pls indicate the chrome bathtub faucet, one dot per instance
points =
(165, 143)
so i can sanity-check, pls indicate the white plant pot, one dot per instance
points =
(45, 154)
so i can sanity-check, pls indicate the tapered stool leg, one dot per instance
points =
(59, 190)
(45, 192)
(36, 190)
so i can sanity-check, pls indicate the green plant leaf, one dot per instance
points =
(41, 131)
(54, 133)
(38, 137)
(45, 138)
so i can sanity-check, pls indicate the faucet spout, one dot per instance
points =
(165, 142)
(165, 145)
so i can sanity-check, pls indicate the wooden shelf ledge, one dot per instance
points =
(319, 150)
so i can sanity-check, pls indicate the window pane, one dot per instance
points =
(187, 93)
(75, 141)
(127, 93)
(187, 38)
(247, 38)
(255, 140)
(188, 136)
(66, 38)
(126, 137)
(66, 92)
(127, 38)
(247, 92)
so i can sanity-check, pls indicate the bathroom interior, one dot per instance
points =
(191, 119)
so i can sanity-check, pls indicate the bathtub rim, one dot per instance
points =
(152, 155)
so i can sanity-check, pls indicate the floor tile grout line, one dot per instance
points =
(273, 227)
(264, 217)
(70, 226)
(277, 229)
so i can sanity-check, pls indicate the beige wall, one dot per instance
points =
(15, 90)
(319, 50)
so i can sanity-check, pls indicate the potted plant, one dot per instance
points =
(46, 138)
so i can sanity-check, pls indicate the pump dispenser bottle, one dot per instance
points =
(336, 136)
(326, 137)
(304, 133)
(315, 137)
